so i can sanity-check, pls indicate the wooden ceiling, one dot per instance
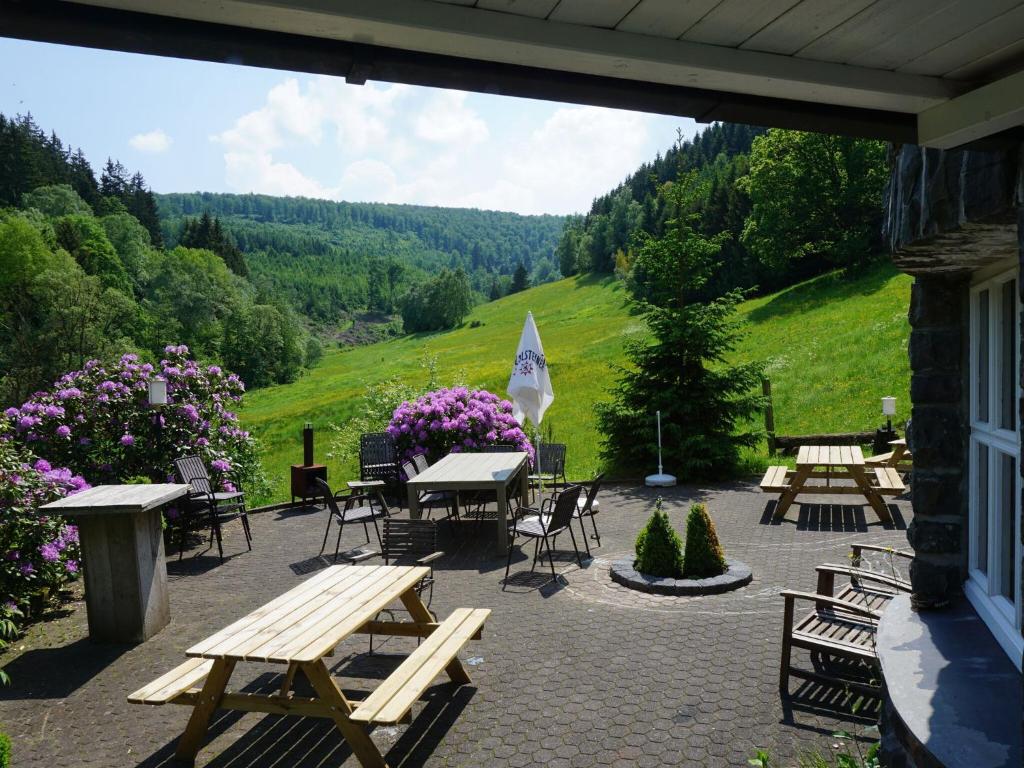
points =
(938, 72)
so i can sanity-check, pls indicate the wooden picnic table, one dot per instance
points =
(121, 533)
(833, 462)
(301, 627)
(476, 472)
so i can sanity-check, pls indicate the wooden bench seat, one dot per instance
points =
(179, 680)
(888, 481)
(775, 479)
(390, 702)
(833, 628)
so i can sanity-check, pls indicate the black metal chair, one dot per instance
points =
(420, 460)
(358, 508)
(378, 459)
(410, 542)
(550, 465)
(430, 500)
(588, 506)
(555, 516)
(205, 504)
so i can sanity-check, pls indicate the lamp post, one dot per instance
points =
(888, 410)
(157, 395)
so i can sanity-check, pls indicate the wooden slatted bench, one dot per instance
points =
(888, 481)
(393, 699)
(775, 480)
(179, 680)
(833, 628)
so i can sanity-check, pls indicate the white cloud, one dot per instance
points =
(155, 141)
(447, 119)
(320, 137)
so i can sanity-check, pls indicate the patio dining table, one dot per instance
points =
(474, 472)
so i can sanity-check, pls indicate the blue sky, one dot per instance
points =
(192, 126)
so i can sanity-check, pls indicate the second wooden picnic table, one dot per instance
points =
(833, 462)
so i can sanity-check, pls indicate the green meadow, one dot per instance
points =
(833, 347)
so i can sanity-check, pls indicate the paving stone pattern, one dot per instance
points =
(582, 672)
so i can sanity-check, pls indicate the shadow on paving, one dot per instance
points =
(56, 673)
(299, 742)
(838, 518)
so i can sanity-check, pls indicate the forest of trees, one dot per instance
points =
(790, 205)
(84, 274)
(326, 259)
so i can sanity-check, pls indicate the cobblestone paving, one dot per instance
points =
(580, 672)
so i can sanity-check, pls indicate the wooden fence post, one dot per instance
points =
(769, 414)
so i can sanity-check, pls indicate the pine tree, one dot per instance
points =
(703, 556)
(520, 279)
(495, 290)
(681, 370)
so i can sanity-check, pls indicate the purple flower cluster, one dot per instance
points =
(98, 421)
(453, 421)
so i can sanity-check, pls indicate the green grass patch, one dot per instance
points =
(834, 347)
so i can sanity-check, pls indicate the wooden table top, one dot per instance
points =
(470, 469)
(830, 455)
(117, 499)
(307, 622)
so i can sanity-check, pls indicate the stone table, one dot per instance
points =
(121, 534)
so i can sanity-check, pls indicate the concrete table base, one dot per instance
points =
(121, 533)
(125, 576)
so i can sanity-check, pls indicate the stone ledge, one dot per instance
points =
(953, 697)
(738, 575)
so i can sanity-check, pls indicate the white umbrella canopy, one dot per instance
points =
(529, 387)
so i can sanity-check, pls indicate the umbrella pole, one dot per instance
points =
(540, 474)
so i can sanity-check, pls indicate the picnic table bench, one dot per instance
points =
(299, 629)
(833, 462)
(899, 458)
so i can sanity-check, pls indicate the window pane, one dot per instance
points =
(1008, 357)
(980, 533)
(981, 374)
(1005, 528)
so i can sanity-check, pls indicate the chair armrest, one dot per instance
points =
(363, 556)
(430, 558)
(856, 549)
(840, 604)
(860, 573)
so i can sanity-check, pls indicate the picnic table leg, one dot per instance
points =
(874, 497)
(199, 721)
(414, 503)
(789, 495)
(420, 613)
(354, 733)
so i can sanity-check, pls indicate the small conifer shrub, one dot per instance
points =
(659, 550)
(5, 750)
(704, 556)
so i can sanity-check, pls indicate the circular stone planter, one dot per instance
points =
(737, 575)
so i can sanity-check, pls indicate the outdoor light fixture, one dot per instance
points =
(158, 391)
(889, 409)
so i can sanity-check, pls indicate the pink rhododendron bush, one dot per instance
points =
(98, 421)
(38, 553)
(455, 420)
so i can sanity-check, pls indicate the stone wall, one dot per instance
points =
(938, 362)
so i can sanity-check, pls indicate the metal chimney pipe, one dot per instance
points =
(307, 445)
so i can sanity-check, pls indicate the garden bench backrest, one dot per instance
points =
(408, 540)
(192, 471)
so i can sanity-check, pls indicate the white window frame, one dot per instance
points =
(1001, 615)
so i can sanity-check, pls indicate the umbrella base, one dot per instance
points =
(660, 480)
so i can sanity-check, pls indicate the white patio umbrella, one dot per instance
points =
(529, 387)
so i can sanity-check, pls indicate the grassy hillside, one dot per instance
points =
(834, 347)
